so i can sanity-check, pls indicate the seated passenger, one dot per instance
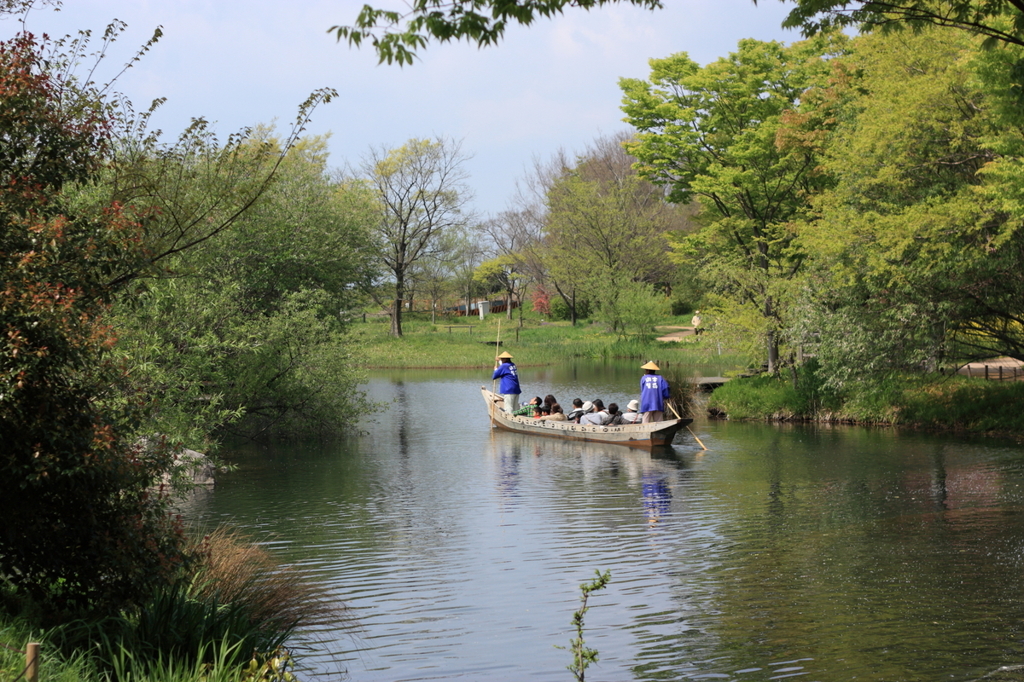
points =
(615, 417)
(631, 415)
(556, 414)
(527, 409)
(539, 411)
(577, 410)
(598, 416)
(549, 400)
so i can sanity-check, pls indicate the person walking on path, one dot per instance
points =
(654, 392)
(506, 370)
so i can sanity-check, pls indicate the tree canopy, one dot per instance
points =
(1001, 21)
(713, 133)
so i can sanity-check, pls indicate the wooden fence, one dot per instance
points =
(993, 372)
(31, 671)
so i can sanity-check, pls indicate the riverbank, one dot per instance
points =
(931, 401)
(471, 343)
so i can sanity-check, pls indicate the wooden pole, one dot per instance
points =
(32, 662)
(497, 345)
(673, 408)
(695, 438)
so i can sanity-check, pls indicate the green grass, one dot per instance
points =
(425, 345)
(966, 404)
(929, 401)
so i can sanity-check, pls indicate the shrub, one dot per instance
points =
(80, 530)
(560, 311)
(235, 600)
(763, 397)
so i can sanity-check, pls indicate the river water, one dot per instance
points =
(781, 552)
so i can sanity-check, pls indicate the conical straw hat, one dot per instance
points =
(650, 365)
(506, 354)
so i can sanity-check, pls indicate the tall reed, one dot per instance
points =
(236, 601)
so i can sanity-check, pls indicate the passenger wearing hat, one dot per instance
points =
(596, 415)
(506, 370)
(654, 392)
(632, 414)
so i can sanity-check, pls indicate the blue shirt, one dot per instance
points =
(653, 393)
(509, 376)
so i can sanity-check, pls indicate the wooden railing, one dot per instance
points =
(31, 671)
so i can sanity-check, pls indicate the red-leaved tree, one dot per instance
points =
(80, 527)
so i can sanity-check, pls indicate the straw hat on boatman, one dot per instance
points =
(654, 391)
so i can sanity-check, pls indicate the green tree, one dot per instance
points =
(502, 272)
(712, 133)
(918, 253)
(249, 326)
(80, 227)
(606, 228)
(421, 194)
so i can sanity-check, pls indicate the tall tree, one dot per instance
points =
(712, 133)
(512, 233)
(918, 247)
(422, 194)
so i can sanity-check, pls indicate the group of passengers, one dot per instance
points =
(591, 412)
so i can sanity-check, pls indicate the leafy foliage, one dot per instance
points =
(917, 256)
(606, 235)
(245, 334)
(396, 36)
(715, 133)
(998, 21)
(80, 528)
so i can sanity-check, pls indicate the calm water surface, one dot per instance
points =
(782, 552)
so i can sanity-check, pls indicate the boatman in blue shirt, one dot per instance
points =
(653, 393)
(509, 375)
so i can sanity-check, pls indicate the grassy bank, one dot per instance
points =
(228, 618)
(427, 346)
(931, 401)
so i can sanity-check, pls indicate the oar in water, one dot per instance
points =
(673, 408)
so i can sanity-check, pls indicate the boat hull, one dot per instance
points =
(631, 435)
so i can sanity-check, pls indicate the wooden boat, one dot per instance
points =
(632, 435)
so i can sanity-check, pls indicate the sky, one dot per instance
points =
(550, 86)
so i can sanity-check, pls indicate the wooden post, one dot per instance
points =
(1000, 372)
(986, 372)
(32, 662)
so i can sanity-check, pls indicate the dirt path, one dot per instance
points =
(675, 333)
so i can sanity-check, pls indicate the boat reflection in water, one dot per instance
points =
(652, 471)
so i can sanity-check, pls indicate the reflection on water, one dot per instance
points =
(813, 553)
